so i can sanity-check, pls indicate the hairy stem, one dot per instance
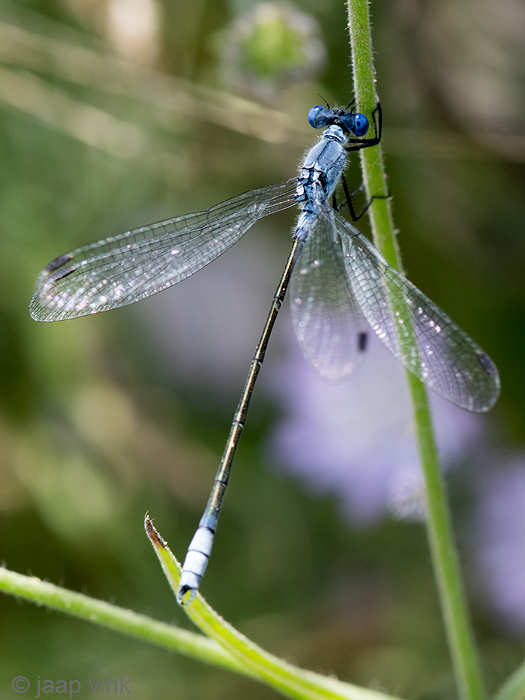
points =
(443, 550)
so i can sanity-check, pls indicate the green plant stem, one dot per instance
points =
(514, 686)
(227, 649)
(289, 680)
(443, 551)
(126, 622)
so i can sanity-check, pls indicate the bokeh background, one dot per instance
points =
(116, 113)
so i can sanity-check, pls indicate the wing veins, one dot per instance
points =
(122, 269)
(448, 360)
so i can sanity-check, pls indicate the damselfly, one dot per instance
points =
(340, 288)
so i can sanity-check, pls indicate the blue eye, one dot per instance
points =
(360, 124)
(316, 119)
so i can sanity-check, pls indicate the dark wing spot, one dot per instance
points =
(60, 274)
(362, 341)
(487, 364)
(58, 262)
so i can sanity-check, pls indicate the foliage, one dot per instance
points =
(105, 418)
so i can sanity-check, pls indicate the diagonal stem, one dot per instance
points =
(442, 547)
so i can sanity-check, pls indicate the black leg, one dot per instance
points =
(377, 121)
(376, 138)
(349, 196)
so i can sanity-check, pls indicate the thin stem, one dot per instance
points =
(124, 621)
(290, 680)
(514, 686)
(227, 648)
(443, 550)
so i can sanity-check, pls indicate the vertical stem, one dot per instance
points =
(442, 547)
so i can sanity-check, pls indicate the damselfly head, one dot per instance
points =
(352, 122)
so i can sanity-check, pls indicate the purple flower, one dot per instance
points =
(499, 539)
(356, 439)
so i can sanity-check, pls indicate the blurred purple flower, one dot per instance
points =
(203, 331)
(499, 539)
(356, 439)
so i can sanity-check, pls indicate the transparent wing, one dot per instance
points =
(328, 323)
(448, 360)
(126, 268)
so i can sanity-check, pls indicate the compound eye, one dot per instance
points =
(360, 124)
(317, 116)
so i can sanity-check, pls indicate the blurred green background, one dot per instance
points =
(116, 113)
